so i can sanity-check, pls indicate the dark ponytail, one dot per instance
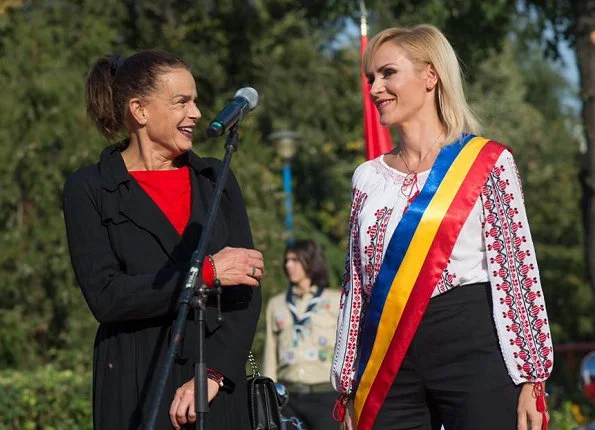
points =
(114, 80)
(99, 98)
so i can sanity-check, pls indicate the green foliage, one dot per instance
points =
(568, 416)
(43, 111)
(476, 29)
(550, 22)
(50, 399)
(45, 399)
(540, 134)
(274, 46)
(308, 83)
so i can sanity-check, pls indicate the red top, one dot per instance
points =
(170, 190)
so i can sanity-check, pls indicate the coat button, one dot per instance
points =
(110, 365)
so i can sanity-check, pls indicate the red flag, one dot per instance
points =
(377, 138)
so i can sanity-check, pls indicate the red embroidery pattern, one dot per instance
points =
(374, 248)
(447, 280)
(352, 285)
(519, 294)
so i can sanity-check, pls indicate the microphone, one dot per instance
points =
(245, 100)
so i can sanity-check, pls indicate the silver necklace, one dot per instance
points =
(411, 174)
(411, 177)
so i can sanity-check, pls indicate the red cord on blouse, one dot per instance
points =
(170, 190)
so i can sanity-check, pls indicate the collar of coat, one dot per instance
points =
(122, 200)
(114, 173)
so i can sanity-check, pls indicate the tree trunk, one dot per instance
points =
(584, 31)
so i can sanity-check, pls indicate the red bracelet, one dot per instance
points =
(340, 408)
(541, 405)
(209, 273)
(215, 376)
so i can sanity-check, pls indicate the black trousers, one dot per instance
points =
(313, 410)
(453, 374)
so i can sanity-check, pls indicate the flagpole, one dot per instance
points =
(377, 139)
(363, 21)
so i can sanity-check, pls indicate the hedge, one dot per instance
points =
(50, 399)
(45, 398)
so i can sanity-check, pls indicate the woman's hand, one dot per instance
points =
(347, 424)
(527, 410)
(182, 410)
(347, 420)
(235, 266)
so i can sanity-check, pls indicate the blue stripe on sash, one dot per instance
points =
(398, 245)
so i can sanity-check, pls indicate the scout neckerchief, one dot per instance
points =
(415, 258)
(298, 323)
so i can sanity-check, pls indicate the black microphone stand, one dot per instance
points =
(195, 296)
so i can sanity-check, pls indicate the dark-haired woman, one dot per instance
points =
(133, 221)
(301, 324)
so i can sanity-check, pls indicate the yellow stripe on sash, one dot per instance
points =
(412, 263)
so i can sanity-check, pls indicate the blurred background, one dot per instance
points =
(521, 60)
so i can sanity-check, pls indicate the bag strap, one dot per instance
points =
(253, 364)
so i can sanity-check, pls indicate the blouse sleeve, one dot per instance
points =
(270, 346)
(350, 308)
(518, 301)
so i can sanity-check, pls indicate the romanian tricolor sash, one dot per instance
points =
(415, 258)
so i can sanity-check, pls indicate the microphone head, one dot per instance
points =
(249, 94)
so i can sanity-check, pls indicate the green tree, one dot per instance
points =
(507, 98)
(307, 82)
(574, 21)
(475, 28)
(272, 46)
(45, 47)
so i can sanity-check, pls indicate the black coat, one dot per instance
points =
(130, 263)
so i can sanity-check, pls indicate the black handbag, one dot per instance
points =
(264, 406)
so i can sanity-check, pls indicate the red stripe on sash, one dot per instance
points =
(435, 263)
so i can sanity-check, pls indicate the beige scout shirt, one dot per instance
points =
(305, 358)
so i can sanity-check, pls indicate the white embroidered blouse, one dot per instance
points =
(494, 245)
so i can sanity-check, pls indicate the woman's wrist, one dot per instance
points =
(340, 407)
(538, 387)
(216, 376)
(209, 272)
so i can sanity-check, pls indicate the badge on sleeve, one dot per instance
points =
(280, 321)
(311, 354)
(287, 357)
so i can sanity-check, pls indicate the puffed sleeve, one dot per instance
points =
(350, 307)
(519, 307)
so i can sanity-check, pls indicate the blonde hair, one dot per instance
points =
(425, 44)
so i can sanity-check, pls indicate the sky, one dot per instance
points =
(569, 70)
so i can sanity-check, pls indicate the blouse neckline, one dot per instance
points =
(392, 169)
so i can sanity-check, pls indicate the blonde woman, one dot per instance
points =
(443, 320)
